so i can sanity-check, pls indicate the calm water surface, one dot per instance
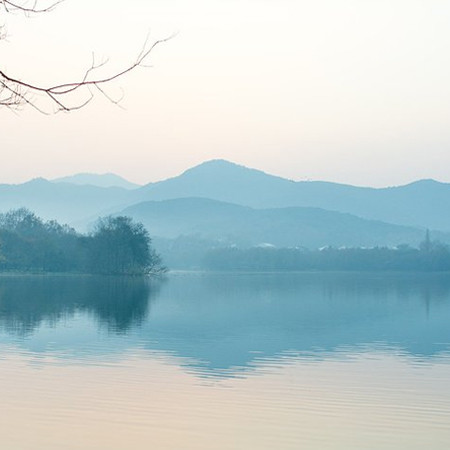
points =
(235, 361)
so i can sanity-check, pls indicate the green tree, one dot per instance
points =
(121, 246)
(29, 243)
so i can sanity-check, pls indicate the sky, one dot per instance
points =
(352, 91)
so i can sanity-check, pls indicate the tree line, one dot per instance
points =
(430, 256)
(116, 246)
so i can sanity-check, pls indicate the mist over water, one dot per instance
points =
(237, 360)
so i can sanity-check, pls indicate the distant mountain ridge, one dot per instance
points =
(99, 180)
(422, 204)
(64, 202)
(282, 227)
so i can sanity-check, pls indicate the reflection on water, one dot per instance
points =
(272, 359)
(224, 322)
(27, 302)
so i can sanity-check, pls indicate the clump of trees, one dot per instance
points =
(120, 246)
(117, 246)
(430, 256)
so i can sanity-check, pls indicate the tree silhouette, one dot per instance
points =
(121, 246)
(118, 246)
(15, 92)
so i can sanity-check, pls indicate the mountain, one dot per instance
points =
(68, 203)
(224, 181)
(100, 180)
(424, 203)
(282, 227)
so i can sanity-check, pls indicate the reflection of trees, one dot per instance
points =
(118, 303)
(431, 286)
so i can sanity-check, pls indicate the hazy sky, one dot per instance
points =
(354, 91)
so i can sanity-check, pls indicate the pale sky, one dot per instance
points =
(354, 91)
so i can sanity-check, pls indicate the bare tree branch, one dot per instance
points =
(27, 7)
(15, 92)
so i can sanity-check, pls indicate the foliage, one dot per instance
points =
(117, 246)
(433, 256)
(120, 246)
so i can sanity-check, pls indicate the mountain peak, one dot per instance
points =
(216, 164)
(426, 181)
(222, 180)
(39, 181)
(96, 179)
(221, 169)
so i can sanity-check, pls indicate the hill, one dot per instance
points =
(65, 202)
(282, 227)
(425, 203)
(100, 180)
(422, 204)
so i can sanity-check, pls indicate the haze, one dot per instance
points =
(349, 91)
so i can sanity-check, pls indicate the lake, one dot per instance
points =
(225, 361)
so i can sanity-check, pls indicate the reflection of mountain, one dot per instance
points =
(228, 322)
